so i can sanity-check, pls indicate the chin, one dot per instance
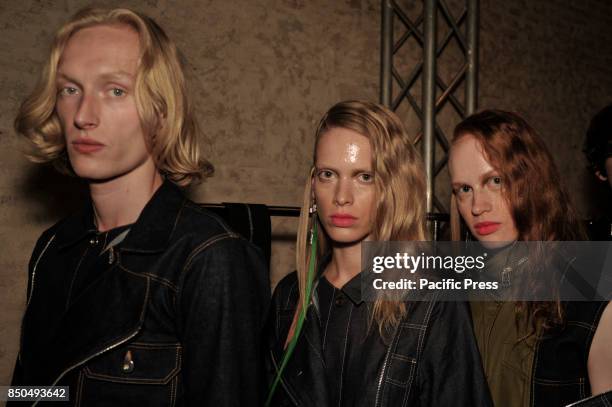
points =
(87, 172)
(92, 173)
(346, 236)
(494, 240)
(495, 244)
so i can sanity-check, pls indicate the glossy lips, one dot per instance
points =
(486, 228)
(86, 146)
(343, 220)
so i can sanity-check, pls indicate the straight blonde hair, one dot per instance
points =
(399, 181)
(161, 99)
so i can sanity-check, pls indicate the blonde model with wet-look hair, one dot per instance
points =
(506, 188)
(328, 347)
(142, 298)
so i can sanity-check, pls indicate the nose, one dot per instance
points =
(344, 192)
(481, 202)
(86, 116)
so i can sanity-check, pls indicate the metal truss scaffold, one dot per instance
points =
(463, 29)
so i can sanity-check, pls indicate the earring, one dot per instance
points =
(312, 210)
(312, 234)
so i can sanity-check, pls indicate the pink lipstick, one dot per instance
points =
(343, 220)
(486, 228)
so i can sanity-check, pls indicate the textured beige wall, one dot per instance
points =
(263, 72)
(550, 60)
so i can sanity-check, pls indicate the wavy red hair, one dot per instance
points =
(539, 203)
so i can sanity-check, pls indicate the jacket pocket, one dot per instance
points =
(559, 392)
(136, 374)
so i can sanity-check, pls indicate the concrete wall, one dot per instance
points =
(263, 72)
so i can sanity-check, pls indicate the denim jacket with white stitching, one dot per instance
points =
(174, 317)
(431, 360)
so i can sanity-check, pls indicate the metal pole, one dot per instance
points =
(471, 82)
(386, 51)
(429, 93)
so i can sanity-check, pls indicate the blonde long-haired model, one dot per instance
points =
(141, 297)
(162, 100)
(327, 345)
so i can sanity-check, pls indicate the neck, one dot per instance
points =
(344, 265)
(119, 201)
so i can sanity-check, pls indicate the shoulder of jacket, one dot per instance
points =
(52, 230)
(286, 290)
(202, 227)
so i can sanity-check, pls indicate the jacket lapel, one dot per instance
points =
(107, 313)
(110, 310)
(305, 371)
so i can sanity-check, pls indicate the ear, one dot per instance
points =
(600, 176)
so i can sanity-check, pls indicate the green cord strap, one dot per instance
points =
(301, 317)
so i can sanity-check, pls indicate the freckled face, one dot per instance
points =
(478, 188)
(343, 185)
(96, 104)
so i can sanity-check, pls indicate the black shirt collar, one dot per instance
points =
(352, 289)
(151, 231)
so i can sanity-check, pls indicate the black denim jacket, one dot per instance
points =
(432, 359)
(173, 319)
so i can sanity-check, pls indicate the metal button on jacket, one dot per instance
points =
(128, 363)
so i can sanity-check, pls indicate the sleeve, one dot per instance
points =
(601, 400)
(222, 301)
(277, 324)
(451, 371)
(42, 243)
(17, 379)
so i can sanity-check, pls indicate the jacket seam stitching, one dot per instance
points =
(153, 277)
(212, 215)
(421, 340)
(178, 216)
(74, 276)
(343, 353)
(173, 385)
(79, 389)
(143, 345)
(401, 357)
(200, 248)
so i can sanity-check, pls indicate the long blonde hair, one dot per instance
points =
(400, 190)
(161, 98)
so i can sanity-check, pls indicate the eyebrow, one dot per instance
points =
(489, 174)
(61, 75)
(116, 75)
(483, 177)
(354, 171)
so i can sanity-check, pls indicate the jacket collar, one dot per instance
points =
(352, 288)
(149, 234)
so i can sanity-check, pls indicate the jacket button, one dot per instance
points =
(340, 300)
(128, 363)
